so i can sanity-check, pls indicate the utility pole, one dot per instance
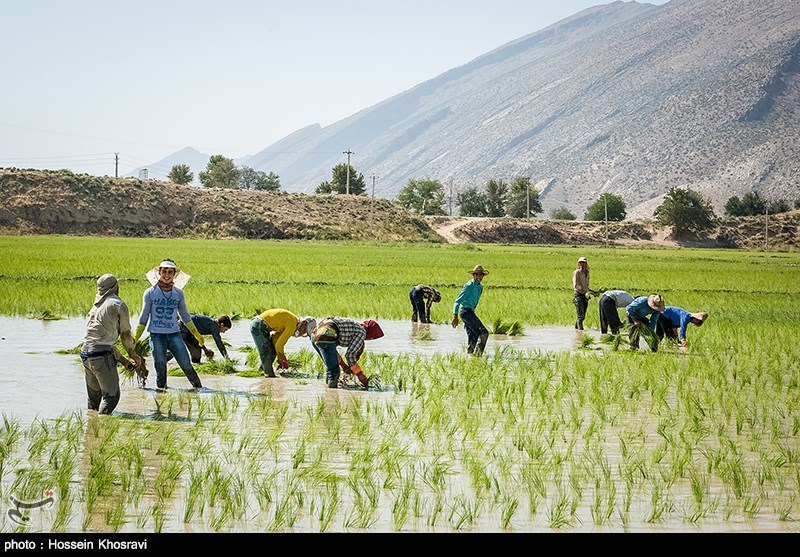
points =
(373, 185)
(528, 199)
(116, 165)
(348, 153)
(766, 225)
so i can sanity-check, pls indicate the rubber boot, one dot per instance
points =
(481, 344)
(363, 379)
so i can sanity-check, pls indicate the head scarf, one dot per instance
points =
(107, 285)
(373, 329)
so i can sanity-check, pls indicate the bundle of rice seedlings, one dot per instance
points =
(614, 340)
(222, 366)
(513, 328)
(643, 332)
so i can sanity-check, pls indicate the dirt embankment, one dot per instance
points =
(59, 202)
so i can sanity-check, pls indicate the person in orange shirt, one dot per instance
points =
(270, 331)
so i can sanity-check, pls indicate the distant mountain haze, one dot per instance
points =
(627, 98)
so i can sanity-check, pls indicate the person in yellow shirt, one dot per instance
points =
(270, 331)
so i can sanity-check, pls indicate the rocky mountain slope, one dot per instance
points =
(59, 202)
(626, 97)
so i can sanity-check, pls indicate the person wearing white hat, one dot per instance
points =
(580, 289)
(108, 320)
(162, 305)
(464, 307)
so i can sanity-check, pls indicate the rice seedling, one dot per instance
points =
(512, 328)
(509, 506)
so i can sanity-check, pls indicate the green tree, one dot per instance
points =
(733, 207)
(561, 213)
(338, 182)
(250, 179)
(750, 204)
(424, 197)
(520, 195)
(496, 197)
(472, 202)
(220, 173)
(615, 205)
(687, 212)
(778, 206)
(180, 174)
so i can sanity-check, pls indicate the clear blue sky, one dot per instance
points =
(83, 79)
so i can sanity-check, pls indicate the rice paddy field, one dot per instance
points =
(579, 436)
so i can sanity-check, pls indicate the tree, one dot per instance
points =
(615, 205)
(778, 206)
(338, 183)
(250, 179)
(424, 197)
(520, 195)
(220, 173)
(750, 204)
(496, 196)
(561, 213)
(686, 211)
(472, 202)
(180, 174)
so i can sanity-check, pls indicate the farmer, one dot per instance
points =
(673, 322)
(422, 296)
(610, 300)
(341, 331)
(465, 305)
(108, 320)
(162, 304)
(580, 288)
(205, 326)
(270, 331)
(643, 311)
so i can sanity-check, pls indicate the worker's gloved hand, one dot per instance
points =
(283, 363)
(138, 333)
(193, 329)
(588, 295)
(209, 353)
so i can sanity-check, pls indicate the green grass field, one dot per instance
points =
(610, 440)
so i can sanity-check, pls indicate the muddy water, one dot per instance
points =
(37, 381)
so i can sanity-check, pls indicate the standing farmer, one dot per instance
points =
(580, 287)
(465, 305)
(162, 304)
(108, 320)
(422, 296)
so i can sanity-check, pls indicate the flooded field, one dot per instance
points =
(436, 448)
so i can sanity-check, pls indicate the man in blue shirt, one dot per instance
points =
(673, 322)
(205, 326)
(465, 305)
(643, 312)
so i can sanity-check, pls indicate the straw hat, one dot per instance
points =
(180, 279)
(656, 302)
(700, 316)
(478, 269)
(582, 260)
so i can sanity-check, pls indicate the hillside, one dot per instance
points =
(59, 202)
(625, 97)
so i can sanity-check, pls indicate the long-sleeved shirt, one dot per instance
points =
(162, 309)
(469, 297)
(106, 323)
(639, 308)
(620, 297)
(580, 282)
(208, 326)
(680, 319)
(283, 324)
(352, 335)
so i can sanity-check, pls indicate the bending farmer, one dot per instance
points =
(205, 326)
(465, 305)
(270, 331)
(608, 304)
(422, 296)
(673, 322)
(340, 331)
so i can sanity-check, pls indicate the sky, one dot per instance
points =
(86, 81)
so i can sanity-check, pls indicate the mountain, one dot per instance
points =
(627, 98)
(159, 170)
